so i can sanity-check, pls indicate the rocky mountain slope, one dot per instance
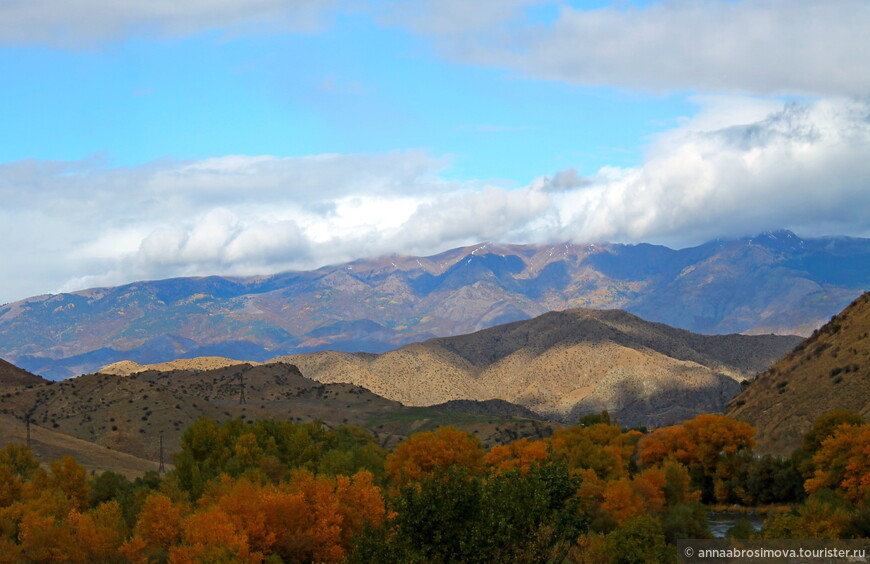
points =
(563, 365)
(127, 409)
(829, 370)
(772, 283)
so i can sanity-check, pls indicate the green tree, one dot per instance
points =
(639, 541)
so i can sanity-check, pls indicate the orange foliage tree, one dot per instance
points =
(97, 534)
(70, 478)
(699, 441)
(520, 454)
(424, 454)
(843, 462)
(307, 519)
(621, 501)
(601, 447)
(157, 529)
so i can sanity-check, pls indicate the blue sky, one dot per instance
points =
(151, 139)
(352, 87)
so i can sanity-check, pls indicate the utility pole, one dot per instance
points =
(162, 469)
(27, 426)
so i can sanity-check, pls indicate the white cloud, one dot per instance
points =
(766, 47)
(740, 166)
(454, 16)
(746, 46)
(85, 22)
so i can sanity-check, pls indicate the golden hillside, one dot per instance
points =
(562, 365)
(829, 370)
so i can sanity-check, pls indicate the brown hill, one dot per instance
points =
(563, 365)
(12, 376)
(48, 445)
(128, 408)
(829, 370)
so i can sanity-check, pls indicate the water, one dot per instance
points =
(721, 521)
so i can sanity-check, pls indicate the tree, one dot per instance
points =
(210, 536)
(70, 478)
(602, 448)
(19, 459)
(425, 454)
(708, 445)
(639, 541)
(843, 463)
(621, 501)
(98, 534)
(159, 524)
(824, 427)
(520, 455)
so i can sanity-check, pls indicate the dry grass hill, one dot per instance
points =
(563, 365)
(114, 419)
(11, 376)
(48, 445)
(829, 370)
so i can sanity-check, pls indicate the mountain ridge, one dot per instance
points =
(773, 283)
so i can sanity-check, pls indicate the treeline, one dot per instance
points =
(276, 491)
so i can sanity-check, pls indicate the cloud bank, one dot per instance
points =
(84, 23)
(765, 47)
(768, 47)
(739, 167)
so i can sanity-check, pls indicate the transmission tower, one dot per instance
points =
(242, 399)
(162, 469)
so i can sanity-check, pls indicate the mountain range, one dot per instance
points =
(773, 283)
(829, 370)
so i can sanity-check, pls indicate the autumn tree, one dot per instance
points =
(97, 535)
(639, 541)
(707, 445)
(843, 463)
(157, 529)
(69, 476)
(19, 460)
(824, 427)
(606, 449)
(271, 449)
(424, 454)
(520, 455)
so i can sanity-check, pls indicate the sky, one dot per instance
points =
(149, 139)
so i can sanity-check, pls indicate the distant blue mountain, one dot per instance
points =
(775, 282)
